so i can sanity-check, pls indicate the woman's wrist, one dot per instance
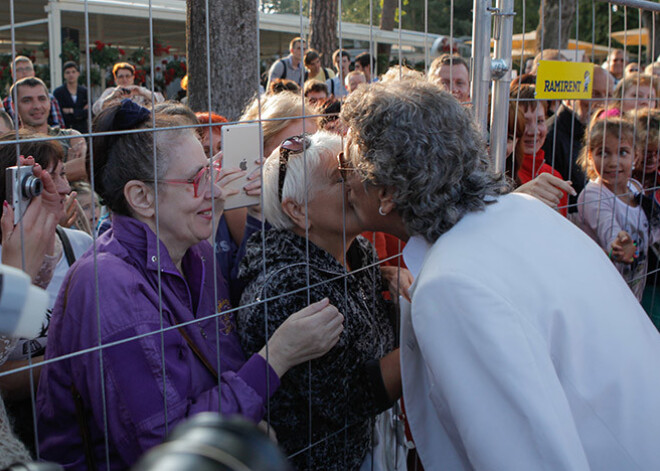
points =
(276, 361)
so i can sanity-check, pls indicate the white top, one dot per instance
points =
(523, 349)
(80, 242)
(602, 215)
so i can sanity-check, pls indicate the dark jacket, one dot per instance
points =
(78, 119)
(563, 148)
(343, 390)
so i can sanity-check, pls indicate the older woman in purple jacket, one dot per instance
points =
(148, 295)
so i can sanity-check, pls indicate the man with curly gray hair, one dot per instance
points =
(505, 363)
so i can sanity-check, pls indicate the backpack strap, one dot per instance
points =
(281, 61)
(332, 86)
(325, 73)
(66, 245)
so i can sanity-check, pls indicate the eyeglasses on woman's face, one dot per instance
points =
(201, 182)
(345, 166)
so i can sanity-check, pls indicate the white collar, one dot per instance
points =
(414, 253)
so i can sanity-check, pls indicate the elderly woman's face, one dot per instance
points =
(329, 213)
(185, 219)
(362, 199)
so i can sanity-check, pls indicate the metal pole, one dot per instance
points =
(54, 44)
(500, 100)
(480, 62)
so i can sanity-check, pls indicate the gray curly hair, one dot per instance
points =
(419, 140)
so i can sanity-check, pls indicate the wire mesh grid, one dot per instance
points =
(526, 111)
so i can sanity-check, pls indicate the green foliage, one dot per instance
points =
(70, 52)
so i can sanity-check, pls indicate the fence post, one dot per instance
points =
(480, 62)
(502, 80)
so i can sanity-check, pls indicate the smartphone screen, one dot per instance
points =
(241, 147)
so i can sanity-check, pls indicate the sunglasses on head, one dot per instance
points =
(290, 146)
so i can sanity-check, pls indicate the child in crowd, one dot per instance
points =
(89, 202)
(647, 159)
(609, 208)
(647, 122)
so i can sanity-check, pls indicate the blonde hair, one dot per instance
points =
(285, 105)
(401, 72)
(636, 80)
(599, 128)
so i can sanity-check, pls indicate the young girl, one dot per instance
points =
(609, 209)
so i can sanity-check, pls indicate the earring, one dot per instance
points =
(381, 212)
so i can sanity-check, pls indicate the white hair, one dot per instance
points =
(302, 173)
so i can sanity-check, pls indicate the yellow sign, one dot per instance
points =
(559, 80)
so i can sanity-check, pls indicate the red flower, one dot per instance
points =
(121, 51)
(176, 58)
(183, 66)
(99, 46)
(164, 62)
(171, 71)
(157, 69)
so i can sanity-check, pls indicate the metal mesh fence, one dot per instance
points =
(332, 416)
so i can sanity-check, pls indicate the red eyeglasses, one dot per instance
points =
(201, 182)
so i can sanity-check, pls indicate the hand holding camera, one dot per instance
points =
(38, 236)
(51, 200)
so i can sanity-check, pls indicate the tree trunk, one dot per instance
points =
(653, 49)
(387, 22)
(323, 29)
(548, 31)
(234, 69)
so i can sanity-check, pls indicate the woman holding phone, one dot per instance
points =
(149, 274)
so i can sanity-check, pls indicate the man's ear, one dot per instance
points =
(140, 198)
(296, 213)
(386, 198)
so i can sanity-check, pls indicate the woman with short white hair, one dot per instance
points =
(313, 252)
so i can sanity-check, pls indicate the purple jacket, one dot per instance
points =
(134, 392)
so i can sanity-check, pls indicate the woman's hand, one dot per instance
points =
(398, 280)
(547, 188)
(50, 198)
(38, 236)
(253, 188)
(308, 334)
(70, 210)
(227, 175)
(623, 248)
(119, 93)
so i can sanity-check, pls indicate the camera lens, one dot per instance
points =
(31, 186)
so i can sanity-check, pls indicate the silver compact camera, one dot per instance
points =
(21, 186)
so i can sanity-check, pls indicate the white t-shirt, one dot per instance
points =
(80, 242)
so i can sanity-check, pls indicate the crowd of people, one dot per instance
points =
(391, 302)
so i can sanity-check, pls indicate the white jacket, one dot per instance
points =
(524, 349)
